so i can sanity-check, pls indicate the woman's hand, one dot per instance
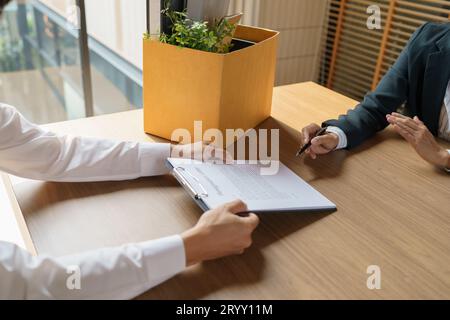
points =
(417, 134)
(201, 151)
(319, 145)
(219, 233)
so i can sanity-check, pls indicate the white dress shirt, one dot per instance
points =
(444, 124)
(29, 151)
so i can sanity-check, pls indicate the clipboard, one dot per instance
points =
(211, 185)
(179, 174)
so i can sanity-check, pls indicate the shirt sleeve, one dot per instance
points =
(115, 273)
(30, 151)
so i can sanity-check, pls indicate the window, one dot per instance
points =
(41, 69)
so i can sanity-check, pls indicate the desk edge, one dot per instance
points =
(20, 220)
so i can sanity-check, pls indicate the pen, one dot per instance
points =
(321, 132)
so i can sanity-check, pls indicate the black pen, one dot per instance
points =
(321, 132)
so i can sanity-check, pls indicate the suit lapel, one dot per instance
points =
(436, 78)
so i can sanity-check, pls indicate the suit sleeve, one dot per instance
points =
(369, 116)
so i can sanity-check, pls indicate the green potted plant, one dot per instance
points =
(214, 36)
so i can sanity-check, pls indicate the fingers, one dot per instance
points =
(252, 220)
(311, 153)
(319, 145)
(319, 149)
(399, 115)
(406, 128)
(397, 118)
(209, 152)
(398, 121)
(404, 133)
(216, 154)
(412, 130)
(327, 141)
(418, 121)
(403, 125)
(193, 151)
(309, 132)
(409, 123)
(236, 207)
(322, 145)
(228, 158)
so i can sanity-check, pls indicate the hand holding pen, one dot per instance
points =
(317, 141)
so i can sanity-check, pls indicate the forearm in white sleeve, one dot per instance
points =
(29, 151)
(115, 273)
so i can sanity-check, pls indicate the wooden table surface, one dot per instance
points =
(393, 212)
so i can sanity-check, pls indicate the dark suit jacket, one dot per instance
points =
(419, 78)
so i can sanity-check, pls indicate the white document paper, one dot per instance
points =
(216, 184)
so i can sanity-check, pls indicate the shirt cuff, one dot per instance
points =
(167, 253)
(341, 135)
(152, 157)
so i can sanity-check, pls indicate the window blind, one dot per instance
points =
(355, 58)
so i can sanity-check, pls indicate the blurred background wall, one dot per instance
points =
(300, 23)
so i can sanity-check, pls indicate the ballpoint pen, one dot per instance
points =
(321, 132)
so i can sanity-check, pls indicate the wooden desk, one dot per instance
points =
(393, 211)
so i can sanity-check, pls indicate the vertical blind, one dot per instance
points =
(355, 58)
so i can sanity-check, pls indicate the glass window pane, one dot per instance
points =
(115, 44)
(39, 62)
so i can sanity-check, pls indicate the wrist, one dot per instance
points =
(192, 247)
(341, 137)
(336, 140)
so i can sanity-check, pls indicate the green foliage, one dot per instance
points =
(197, 35)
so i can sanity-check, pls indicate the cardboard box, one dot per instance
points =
(224, 91)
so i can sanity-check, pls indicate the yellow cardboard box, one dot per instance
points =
(224, 91)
